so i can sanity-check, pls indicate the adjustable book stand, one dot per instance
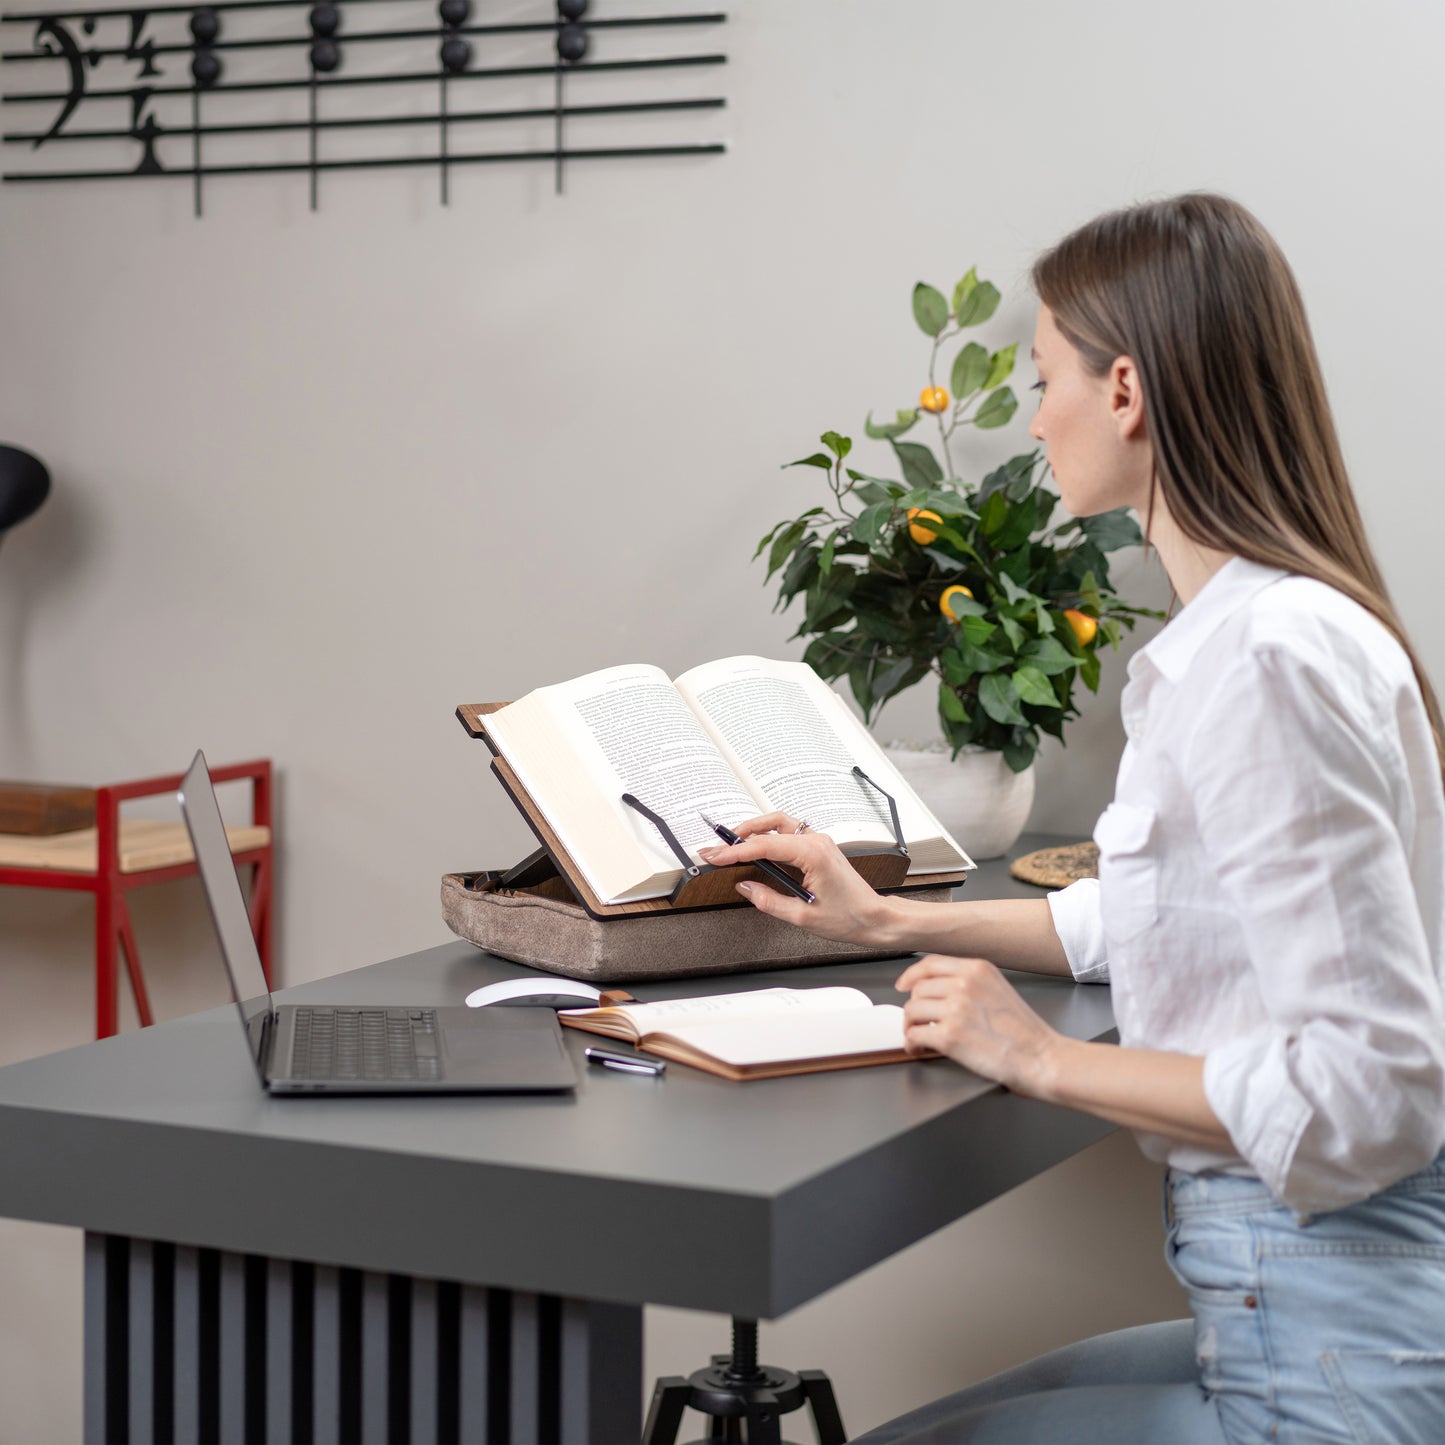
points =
(551, 872)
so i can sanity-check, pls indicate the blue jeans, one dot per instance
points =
(1323, 1330)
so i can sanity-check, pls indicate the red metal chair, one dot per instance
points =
(119, 854)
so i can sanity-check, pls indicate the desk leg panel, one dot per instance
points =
(185, 1345)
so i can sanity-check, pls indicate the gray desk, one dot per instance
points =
(474, 1268)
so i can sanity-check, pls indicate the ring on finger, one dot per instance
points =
(801, 828)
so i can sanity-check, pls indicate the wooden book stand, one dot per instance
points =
(550, 872)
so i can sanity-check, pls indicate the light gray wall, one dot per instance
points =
(321, 477)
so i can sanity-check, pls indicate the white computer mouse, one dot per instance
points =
(537, 992)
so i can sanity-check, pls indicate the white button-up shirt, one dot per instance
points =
(1271, 890)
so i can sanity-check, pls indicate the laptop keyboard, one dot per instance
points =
(365, 1043)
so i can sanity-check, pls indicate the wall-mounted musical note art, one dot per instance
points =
(313, 86)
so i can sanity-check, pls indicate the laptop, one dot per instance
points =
(348, 1048)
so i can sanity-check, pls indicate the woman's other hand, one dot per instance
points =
(845, 909)
(965, 1008)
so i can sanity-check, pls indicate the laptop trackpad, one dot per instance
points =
(507, 1048)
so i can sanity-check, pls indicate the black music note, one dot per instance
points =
(146, 134)
(455, 55)
(325, 57)
(138, 49)
(145, 131)
(205, 71)
(571, 47)
(572, 37)
(52, 38)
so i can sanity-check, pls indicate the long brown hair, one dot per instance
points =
(1198, 294)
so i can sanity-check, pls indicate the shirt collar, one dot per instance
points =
(1171, 652)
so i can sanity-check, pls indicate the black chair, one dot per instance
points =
(24, 485)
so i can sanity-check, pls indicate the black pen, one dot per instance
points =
(785, 880)
(625, 1063)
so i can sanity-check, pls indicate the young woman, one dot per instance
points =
(1271, 895)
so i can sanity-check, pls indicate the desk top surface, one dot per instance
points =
(689, 1190)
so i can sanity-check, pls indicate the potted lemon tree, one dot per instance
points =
(981, 586)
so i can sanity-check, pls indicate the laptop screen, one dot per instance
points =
(228, 908)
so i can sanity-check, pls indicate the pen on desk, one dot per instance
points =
(624, 1063)
(784, 880)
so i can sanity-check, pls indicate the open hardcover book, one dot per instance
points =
(731, 739)
(762, 1034)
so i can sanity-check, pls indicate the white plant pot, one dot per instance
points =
(976, 796)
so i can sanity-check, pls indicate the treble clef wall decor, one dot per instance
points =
(129, 76)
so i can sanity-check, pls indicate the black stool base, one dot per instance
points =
(743, 1408)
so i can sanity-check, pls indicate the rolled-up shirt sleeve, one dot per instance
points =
(1080, 926)
(1341, 1075)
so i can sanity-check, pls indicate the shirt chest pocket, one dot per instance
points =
(1128, 870)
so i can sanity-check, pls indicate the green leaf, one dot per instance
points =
(998, 699)
(768, 537)
(860, 680)
(825, 557)
(891, 679)
(951, 705)
(1111, 530)
(1022, 520)
(1046, 623)
(1032, 686)
(970, 370)
(920, 466)
(930, 310)
(1110, 630)
(784, 544)
(998, 407)
(1018, 753)
(1049, 656)
(982, 659)
(979, 304)
(818, 459)
(1012, 591)
(993, 514)
(1089, 671)
(960, 607)
(1000, 367)
(977, 630)
(1089, 592)
(1015, 476)
(883, 430)
(838, 445)
(869, 524)
(964, 289)
(800, 570)
(1012, 631)
(871, 490)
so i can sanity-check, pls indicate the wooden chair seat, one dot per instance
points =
(119, 854)
(144, 843)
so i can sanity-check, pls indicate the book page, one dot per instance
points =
(791, 736)
(747, 1042)
(784, 1003)
(578, 746)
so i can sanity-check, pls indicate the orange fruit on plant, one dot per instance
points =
(949, 593)
(918, 528)
(1086, 628)
(933, 398)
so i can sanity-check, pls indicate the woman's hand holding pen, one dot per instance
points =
(845, 907)
(966, 1009)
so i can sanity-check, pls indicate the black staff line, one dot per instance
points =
(518, 28)
(496, 73)
(278, 42)
(358, 122)
(386, 163)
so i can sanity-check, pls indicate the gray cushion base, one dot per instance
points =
(562, 938)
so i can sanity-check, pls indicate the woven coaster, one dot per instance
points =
(1058, 867)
